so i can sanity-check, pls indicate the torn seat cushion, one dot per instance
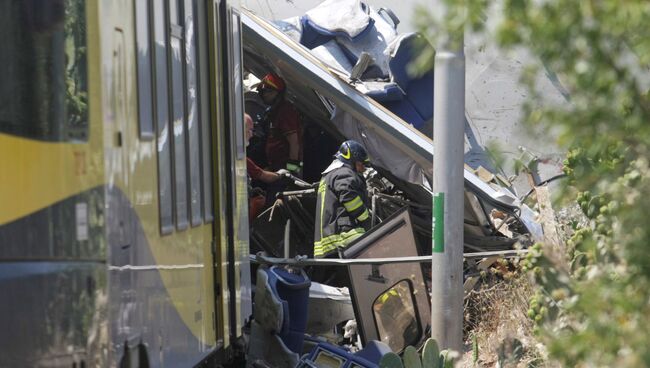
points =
(334, 18)
(331, 54)
(384, 92)
(340, 17)
(375, 41)
(270, 310)
(311, 36)
(418, 89)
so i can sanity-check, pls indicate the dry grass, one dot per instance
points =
(496, 319)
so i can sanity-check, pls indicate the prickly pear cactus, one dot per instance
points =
(431, 354)
(391, 360)
(411, 358)
(446, 361)
(432, 357)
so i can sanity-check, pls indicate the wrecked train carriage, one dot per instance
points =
(401, 154)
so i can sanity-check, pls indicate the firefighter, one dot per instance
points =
(256, 196)
(284, 141)
(254, 171)
(341, 211)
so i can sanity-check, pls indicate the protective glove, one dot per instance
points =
(284, 173)
(295, 167)
(286, 177)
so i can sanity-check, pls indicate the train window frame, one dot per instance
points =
(237, 75)
(163, 142)
(193, 126)
(64, 96)
(144, 70)
(176, 70)
(205, 96)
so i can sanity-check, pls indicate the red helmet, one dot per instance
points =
(272, 81)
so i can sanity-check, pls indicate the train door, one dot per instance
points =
(391, 303)
(230, 176)
(175, 97)
(218, 51)
(118, 144)
(117, 152)
(201, 109)
(239, 180)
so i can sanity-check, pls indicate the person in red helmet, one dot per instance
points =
(254, 171)
(256, 196)
(284, 141)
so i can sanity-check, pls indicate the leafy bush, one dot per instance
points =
(593, 307)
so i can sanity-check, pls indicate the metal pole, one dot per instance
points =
(287, 238)
(448, 151)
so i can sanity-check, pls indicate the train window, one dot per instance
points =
(44, 83)
(181, 109)
(165, 135)
(204, 110)
(145, 92)
(193, 116)
(178, 116)
(174, 12)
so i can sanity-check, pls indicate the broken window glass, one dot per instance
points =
(394, 314)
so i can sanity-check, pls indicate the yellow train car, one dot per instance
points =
(123, 217)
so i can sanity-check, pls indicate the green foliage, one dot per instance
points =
(594, 301)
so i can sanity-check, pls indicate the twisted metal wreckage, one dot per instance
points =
(345, 66)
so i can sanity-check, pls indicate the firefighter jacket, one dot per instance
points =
(341, 212)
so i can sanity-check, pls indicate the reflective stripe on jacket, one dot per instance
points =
(341, 212)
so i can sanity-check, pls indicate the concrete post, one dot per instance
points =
(448, 187)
